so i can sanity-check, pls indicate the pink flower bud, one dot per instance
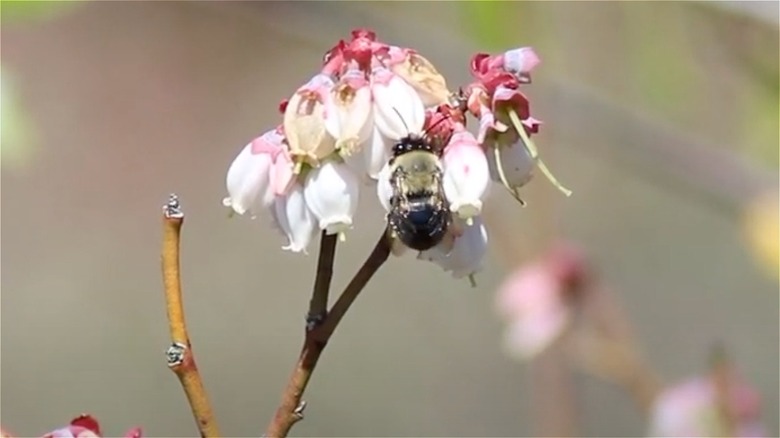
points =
(361, 48)
(332, 195)
(398, 110)
(294, 218)
(85, 426)
(520, 61)
(466, 175)
(135, 432)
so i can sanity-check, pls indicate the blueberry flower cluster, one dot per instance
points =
(338, 130)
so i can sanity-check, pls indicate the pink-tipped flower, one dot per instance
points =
(693, 408)
(349, 111)
(86, 426)
(466, 175)
(398, 110)
(420, 73)
(518, 62)
(261, 170)
(464, 252)
(295, 219)
(304, 122)
(332, 195)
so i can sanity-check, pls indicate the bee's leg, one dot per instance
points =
(397, 248)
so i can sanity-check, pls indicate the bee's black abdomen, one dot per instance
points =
(421, 227)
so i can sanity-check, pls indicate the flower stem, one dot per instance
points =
(181, 358)
(318, 306)
(290, 410)
(607, 348)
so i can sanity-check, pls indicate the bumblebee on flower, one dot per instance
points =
(381, 117)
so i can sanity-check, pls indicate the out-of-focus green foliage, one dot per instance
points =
(16, 133)
(489, 19)
(24, 10)
(659, 64)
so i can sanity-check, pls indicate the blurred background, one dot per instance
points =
(661, 116)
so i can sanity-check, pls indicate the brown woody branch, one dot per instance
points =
(180, 357)
(290, 410)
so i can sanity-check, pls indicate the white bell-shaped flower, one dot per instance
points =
(467, 252)
(357, 164)
(384, 190)
(510, 162)
(377, 153)
(294, 218)
(398, 109)
(332, 195)
(304, 122)
(466, 175)
(349, 112)
(248, 180)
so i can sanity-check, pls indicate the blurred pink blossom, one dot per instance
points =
(537, 301)
(691, 409)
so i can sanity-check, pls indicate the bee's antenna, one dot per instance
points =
(402, 120)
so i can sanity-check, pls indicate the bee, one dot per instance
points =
(419, 214)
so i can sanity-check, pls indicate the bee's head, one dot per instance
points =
(410, 143)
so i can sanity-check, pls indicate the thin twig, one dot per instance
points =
(290, 411)
(180, 357)
(608, 348)
(318, 306)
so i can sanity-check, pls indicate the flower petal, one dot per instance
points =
(248, 181)
(513, 161)
(377, 154)
(467, 250)
(466, 175)
(304, 122)
(332, 194)
(420, 73)
(281, 174)
(349, 112)
(526, 337)
(398, 109)
(384, 188)
(295, 219)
